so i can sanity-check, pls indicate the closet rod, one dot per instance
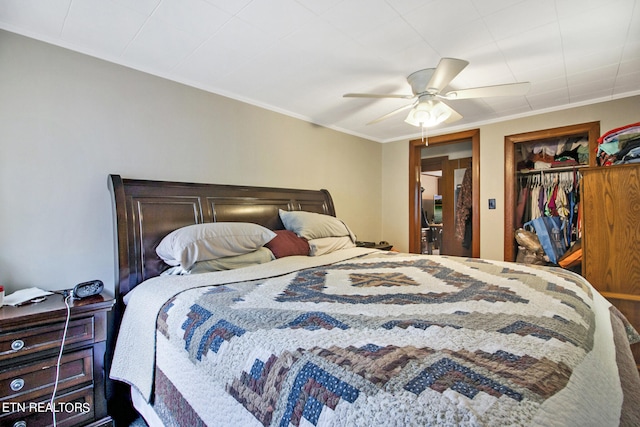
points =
(548, 170)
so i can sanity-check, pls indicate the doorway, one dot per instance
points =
(445, 199)
(512, 144)
(450, 168)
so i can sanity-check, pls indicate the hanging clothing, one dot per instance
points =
(523, 200)
(561, 203)
(464, 205)
(550, 194)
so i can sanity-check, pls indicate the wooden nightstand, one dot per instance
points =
(30, 339)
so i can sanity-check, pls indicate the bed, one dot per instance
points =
(351, 335)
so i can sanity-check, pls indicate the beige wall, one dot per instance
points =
(611, 114)
(68, 120)
(395, 194)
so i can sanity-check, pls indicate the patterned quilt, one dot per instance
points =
(384, 339)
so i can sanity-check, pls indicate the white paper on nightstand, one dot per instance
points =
(25, 295)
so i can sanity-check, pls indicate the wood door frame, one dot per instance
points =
(415, 167)
(590, 129)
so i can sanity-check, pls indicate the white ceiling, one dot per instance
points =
(299, 57)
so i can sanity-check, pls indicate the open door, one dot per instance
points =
(455, 239)
(446, 201)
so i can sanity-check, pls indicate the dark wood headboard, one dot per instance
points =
(146, 211)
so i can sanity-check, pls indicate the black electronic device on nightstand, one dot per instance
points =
(383, 245)
(87, 289)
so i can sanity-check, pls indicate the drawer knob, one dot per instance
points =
(20, 424)
(17, 384)
(17, 345)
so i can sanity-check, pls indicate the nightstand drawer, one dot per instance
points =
(27, 382)
(27, 341)
(73, 408)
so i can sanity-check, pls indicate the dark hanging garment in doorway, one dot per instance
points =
(464, 206)
(425, 223)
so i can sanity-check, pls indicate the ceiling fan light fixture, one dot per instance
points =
(427, 87)
(427, 114)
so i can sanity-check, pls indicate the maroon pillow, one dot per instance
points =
(287, 243)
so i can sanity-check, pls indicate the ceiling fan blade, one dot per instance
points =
(514, 89)
(376, 95)
(447, 70)
(396, 111)
(454, 117)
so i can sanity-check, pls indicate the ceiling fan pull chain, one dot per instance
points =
(425, 136)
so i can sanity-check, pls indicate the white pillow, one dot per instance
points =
(259, 256)
(311, 225)
(201, 242)
(325, 245)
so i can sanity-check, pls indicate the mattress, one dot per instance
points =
(376, 338)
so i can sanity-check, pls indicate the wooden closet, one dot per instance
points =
(611, 237)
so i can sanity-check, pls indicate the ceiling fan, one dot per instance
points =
(428, 108)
